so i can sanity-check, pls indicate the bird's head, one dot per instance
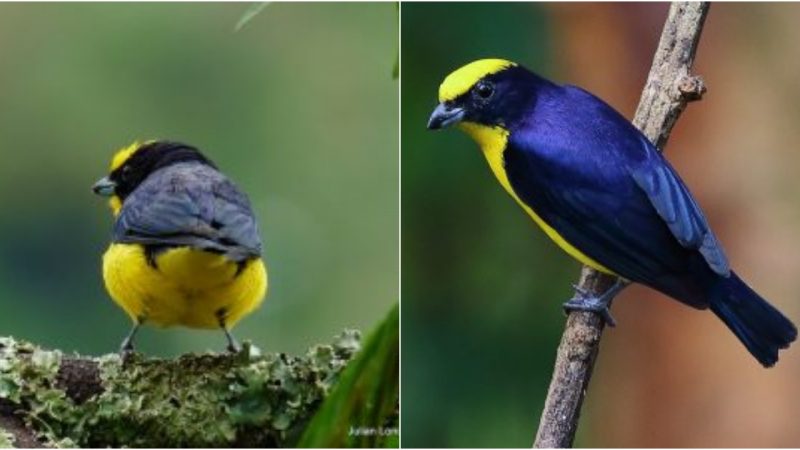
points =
(133, 164)
(488, 94)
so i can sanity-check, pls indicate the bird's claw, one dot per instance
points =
(590, 304)
(587, 301)
(234, 348)
(126, 351)
(580, 290)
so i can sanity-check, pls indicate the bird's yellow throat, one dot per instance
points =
(493, 142)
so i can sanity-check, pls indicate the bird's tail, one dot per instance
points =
(759, 325)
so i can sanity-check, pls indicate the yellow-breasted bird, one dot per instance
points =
(603, 193)
(185, 248)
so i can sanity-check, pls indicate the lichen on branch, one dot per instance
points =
(196, 400)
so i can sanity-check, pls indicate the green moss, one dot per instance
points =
(200, 400)
(6, 439)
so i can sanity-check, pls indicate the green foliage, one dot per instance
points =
(249, 14)
(362, 409)
(216, 400)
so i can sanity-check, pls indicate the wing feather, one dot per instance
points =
(190, 205)
(676, 206)
(611, 219)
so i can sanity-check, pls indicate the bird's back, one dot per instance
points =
(186, 250)
(190, 204)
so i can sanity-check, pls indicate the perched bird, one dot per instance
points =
(598, 188)
(185, 248)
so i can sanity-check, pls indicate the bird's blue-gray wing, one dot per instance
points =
(606, 216)
(679, 210)
(175, 208)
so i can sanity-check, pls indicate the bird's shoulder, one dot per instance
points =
(575, 157)
(192, 182)
(189, 203)
(572, 127)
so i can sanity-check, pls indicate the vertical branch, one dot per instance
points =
(670, 86)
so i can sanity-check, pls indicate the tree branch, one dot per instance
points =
(197, 400)
(670, 86)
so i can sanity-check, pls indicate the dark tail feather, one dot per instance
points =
(760, 327)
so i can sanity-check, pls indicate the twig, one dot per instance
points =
(670, 86)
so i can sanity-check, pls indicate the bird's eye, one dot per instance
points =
(126, 172)
(484, 90)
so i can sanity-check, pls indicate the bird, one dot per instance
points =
(185, 246)
(604, 193)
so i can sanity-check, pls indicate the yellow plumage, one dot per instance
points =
(190, 287)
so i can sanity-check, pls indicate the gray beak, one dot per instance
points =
(104, 187)
(445, 115)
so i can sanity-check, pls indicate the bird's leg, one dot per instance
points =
(126, 349)
(233, 346)
(583, 301)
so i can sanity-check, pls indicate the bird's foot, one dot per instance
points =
(126, 349)
(233, 345)
(590, 304)
(234, 348)
(599, 304)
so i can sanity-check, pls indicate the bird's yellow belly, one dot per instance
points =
(189, 287)
(493, 141)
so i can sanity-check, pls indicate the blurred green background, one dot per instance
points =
(473, 267)
(299, 108)
(482, 287)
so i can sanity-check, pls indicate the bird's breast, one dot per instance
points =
(493, 142)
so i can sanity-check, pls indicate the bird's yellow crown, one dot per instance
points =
(125, 154)
(462, 80)
(120, 157)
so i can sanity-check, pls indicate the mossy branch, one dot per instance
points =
(669, 87)
(203, 400)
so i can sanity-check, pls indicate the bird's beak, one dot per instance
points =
(445, 115)
(104, 187)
